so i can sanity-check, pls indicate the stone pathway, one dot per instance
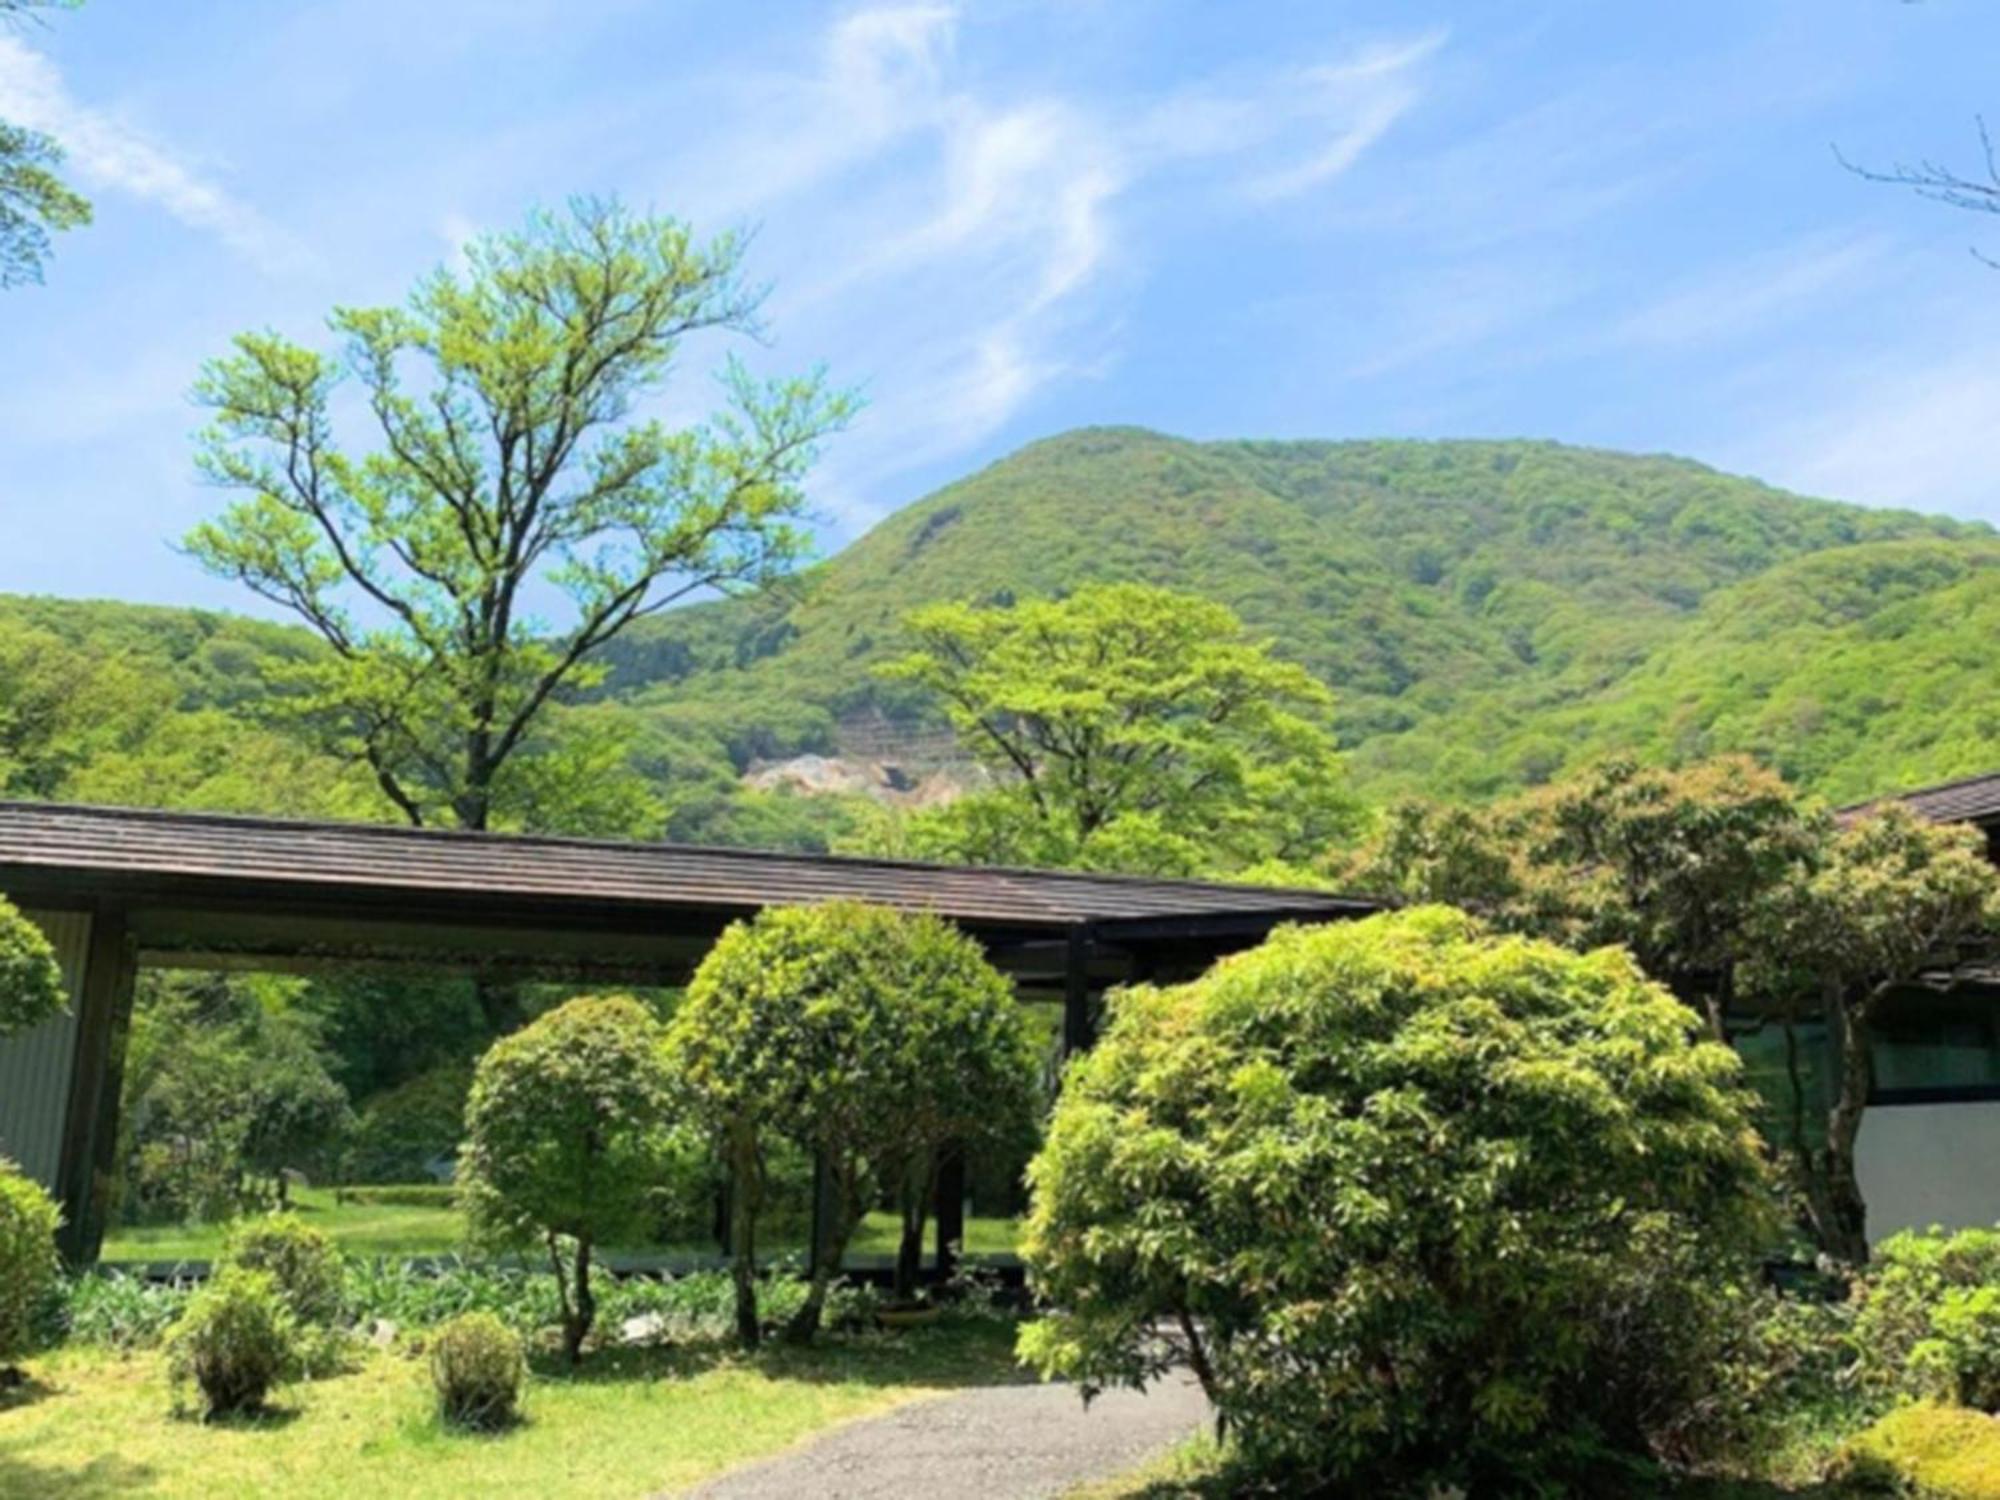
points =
(1009, 1442)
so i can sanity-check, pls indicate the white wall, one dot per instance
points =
(1925, 1164)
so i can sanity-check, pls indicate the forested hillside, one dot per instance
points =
(1486, 612)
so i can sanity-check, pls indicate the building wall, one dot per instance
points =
(1925, 1164)
(35, 1066)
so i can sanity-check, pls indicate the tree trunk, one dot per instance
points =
(743, 1234)
(836, 1226)
(1839, 1212)
(918, 1186)
(582, 1309)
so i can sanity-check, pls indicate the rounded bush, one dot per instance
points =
(477, 1367)
(298, 1257)
(1929, 1318)
(236, 1341)
(31, 982)
(30, 1270)
(1392, 1187)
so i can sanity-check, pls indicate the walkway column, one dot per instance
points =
(90, 1129)
(1079, 1017)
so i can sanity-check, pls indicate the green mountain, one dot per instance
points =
(1487, 612)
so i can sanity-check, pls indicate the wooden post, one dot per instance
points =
(90, 1128)
(950, 1209)
(1079, 1024)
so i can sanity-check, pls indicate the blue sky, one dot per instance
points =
(1616, 224)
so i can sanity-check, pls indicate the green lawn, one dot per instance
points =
(632, 1423)
(369, 1229)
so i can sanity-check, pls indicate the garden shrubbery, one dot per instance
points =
(30, 1270)
(1415, 1203)
(477, 1367)
(236, 1339)
(1928, 1318)
(300, 1259)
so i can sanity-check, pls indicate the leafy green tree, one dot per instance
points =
(1881, 902)
(568, 1142)
(817, 1026)
(1385, 1187)
(1128, 727)
(31, 981)
(512, 475)
(34, 200)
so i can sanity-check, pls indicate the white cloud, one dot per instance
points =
(109, 154)
(970, 238)
(1745, 297)
(1918, 433)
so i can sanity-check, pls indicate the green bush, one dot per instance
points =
(477, 1366)
(236, 1340)
(401, 1132)
(1939, 1452)
(298, 1257)
(1416, 1204)
(1928, 1322)
(568, 1140)
(30, 1270)
(31, 982)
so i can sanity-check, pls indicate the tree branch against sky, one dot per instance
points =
(34, 200)
(514, 465)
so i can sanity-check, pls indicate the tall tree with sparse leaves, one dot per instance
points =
(511, 475)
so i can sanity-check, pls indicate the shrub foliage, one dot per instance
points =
(568, 1141)
(29, 1267)
(236, 1340)
(300, 1260)
(31, 982)
(1391, 1185)
(477, 1366)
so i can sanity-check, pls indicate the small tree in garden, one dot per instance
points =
(818, 1025)
(1882, 901)
(567, 1141)
(1382, 1185)
(29, 1266)
(31, 982)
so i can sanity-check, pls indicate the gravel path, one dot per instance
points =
(1009, 1442)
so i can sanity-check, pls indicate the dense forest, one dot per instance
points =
(1486, 613)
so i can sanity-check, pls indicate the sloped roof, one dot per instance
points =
(1975, 799)
(162, 854)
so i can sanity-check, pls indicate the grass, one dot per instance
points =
(631, 1422)
(407, 1229)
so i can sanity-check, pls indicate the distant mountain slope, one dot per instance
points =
(1488, 612)
(1454, 593)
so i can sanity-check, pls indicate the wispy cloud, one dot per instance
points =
(1741, 299)
(111, 155)
(990, 230)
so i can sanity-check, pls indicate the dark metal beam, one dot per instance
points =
(90, 1127)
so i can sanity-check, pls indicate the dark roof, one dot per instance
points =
(1975, 799)
(163, 853)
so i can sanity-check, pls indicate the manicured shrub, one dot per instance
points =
(866, 1039)
(30, 1271)
(1940, 1452)
(568, 1141)
(1415, 1203)
(477, 1366)
(1928, 1319)
(31, 982)
(297, 1256)
(236, 1341)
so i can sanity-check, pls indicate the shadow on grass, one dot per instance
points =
(953, 1355)
(108, 1475)
(19, 1389)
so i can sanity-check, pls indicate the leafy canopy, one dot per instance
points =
(1381, 1183)
(34, 200)
(31, 981)
(514, 470)
(1128, 727)
(864, 1036)
(567, 1137)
